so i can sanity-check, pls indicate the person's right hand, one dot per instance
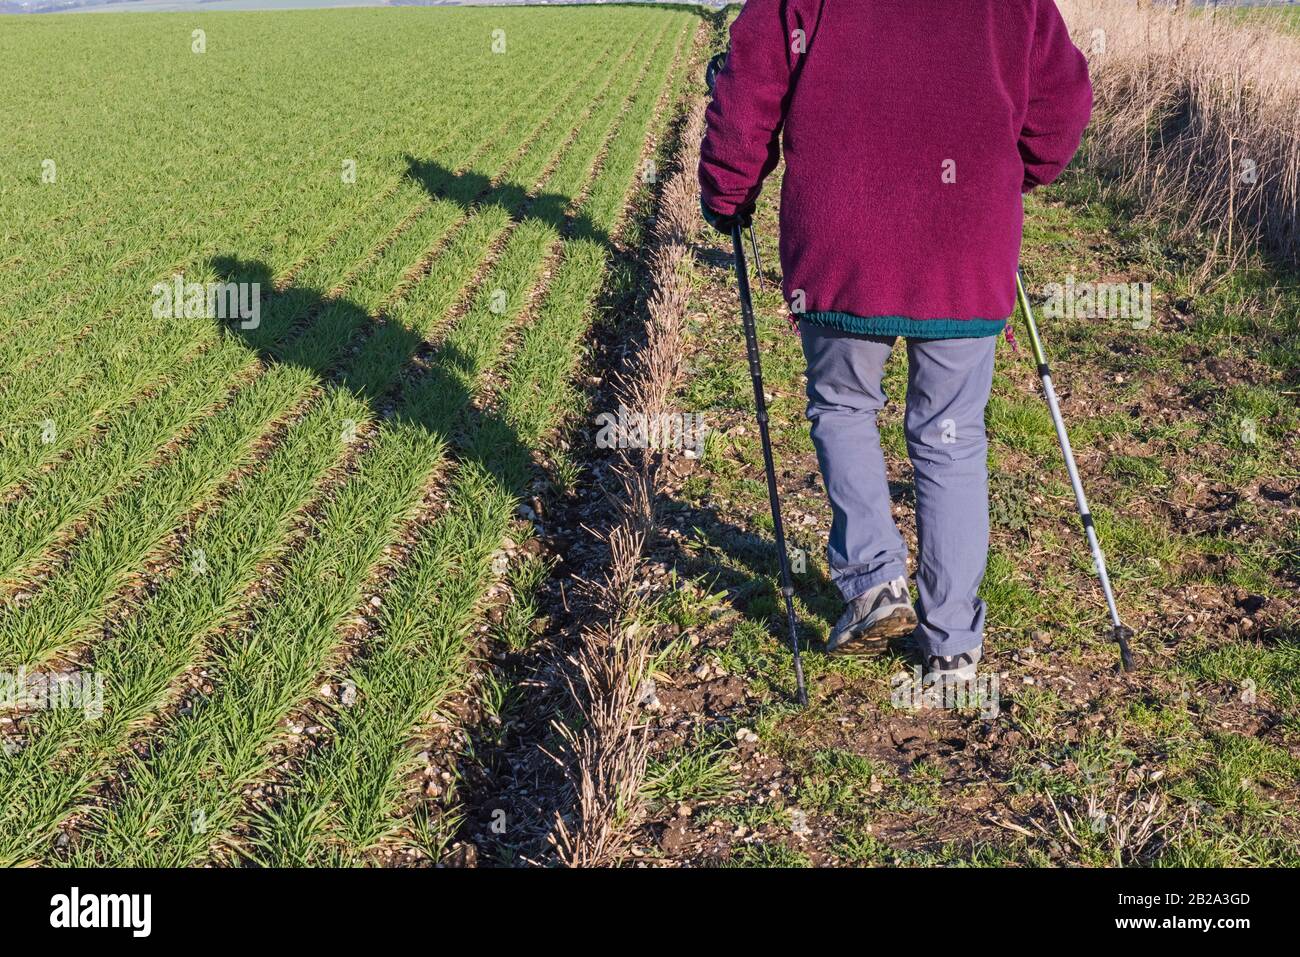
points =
(715, 66)
(727, 224)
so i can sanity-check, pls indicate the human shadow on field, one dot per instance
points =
(744, 564)
(406, 382)
(337, 339)
(386, 365)
(471, 188)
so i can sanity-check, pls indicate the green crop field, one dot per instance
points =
(212, 513)
(1282, 15)
(311, 553)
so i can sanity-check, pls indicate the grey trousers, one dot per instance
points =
(948, 388)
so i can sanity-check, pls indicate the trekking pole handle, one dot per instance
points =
(1035, 340)
(747, 316)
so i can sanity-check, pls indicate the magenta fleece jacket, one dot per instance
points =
(910, 130)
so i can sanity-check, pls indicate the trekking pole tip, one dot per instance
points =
(1121, 635)
(801, 688)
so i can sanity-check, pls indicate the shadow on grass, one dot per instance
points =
(391, 368)
(343, 346)
(470, 188)
(339, 342)
(725, 556)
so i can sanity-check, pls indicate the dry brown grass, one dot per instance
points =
(606, 758)
(1197, 115)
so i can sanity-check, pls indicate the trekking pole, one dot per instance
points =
(756, 374)
(1119, 633)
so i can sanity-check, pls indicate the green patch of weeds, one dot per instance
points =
(856, 846)
(690, 774)
(1253, 422)
(1138, 471)
(1141, 549)
(1012, 602)
(754, 816)
(521, 614)
(1242, 780)
(917, 792)
(1021, 424)
(836, 781)
(1010, 503)
(1268, 672)
(1207, 844)
(686, 605)
(750, 649)
(1163, 721)
(768, 856)
(1102, 757)
(1036, 712)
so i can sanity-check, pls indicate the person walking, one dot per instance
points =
(910, 131)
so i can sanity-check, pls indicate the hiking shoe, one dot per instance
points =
(952, 669)
(871, 619)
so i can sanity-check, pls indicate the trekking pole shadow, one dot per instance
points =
(751, 571)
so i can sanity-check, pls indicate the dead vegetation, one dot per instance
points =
(608, 753)
(1198, 116)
